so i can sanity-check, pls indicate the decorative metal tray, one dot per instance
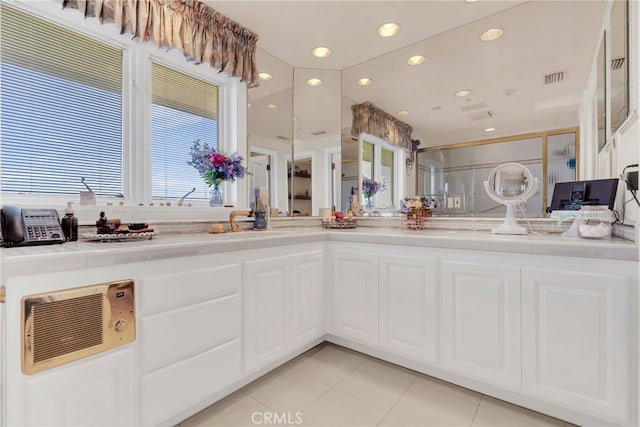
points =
(118, 236)
(338, 225)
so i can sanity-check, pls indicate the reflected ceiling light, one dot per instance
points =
(314, 82)
(321, 51)
(489, 129)
(402, 113)
(272, 106)
(389, 29)
(265, 76)
(491, 34)
(463, 92)
(365, 81)
(416, 60)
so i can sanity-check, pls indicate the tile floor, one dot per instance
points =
(333, 386)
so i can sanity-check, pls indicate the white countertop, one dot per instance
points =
(88, 254)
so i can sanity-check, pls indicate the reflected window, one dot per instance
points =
(387, 173)
(368, 159)
(380, 163)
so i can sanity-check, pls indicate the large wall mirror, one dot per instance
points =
(316, 103)
(270, 130)
(601, 94)
(513, 91)
(619, 42)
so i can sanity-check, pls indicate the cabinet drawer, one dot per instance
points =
(169, 391)
(177, 334)
(166, 291)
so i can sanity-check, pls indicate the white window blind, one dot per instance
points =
(184, 109)
(61, 108)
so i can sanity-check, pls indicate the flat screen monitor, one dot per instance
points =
(573, 195)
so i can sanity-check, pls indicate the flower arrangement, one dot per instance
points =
(213, 165)
(371, 187)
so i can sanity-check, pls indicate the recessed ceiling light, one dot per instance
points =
(314, 82)
(272, 106)
(389, 29)
(321, 51)
(463, 92)
(365, 81)
(491, 34)
(416, 60)
(489, 129)
(471, 1)
(402, 113)
(265, 76)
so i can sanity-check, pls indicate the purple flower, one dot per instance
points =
(213, 166)
(371, 187)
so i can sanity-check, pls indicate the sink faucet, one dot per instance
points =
(181, 202)
(232, 216)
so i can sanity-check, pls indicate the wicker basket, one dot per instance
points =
(416, 219)
(339, 225)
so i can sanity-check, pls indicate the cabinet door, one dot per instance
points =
(355, 295)
(267, 302)
(409, 306)
(95, 391)
(308, 297)
(481, 335)
(575, 334)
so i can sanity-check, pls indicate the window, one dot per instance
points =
(183, 110)
(61, 109)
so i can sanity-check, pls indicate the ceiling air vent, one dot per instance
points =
(481, 115)
(554, 78)
(617, 63)
(318, 133)
(284, 138)
(479, 106)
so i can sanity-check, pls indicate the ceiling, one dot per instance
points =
(506, 75)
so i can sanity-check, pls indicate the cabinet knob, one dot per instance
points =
(121, 326)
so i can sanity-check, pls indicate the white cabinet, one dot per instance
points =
(308, 303)
(481, 335)
(409, 306)
(575, 335)
(95, 391)
(355, 294)
(267, 304)
(189, 335)
(283, 306)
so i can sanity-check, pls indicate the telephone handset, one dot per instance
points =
(22, 227)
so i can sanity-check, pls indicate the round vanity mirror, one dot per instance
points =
(510, 184)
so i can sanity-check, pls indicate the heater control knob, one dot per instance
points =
(121, 326)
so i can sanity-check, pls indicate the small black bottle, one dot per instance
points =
(70, 224)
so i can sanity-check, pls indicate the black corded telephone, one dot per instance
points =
(22, 227)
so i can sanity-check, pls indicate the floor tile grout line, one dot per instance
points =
(399, 399)
(477, 409)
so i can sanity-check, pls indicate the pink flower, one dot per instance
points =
(218, 160)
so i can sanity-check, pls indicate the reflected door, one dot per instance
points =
(260, 170)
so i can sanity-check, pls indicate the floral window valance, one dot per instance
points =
(367, 118)
(203, 34)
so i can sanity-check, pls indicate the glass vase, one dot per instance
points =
(368, 206)
(216, 197)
